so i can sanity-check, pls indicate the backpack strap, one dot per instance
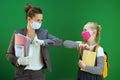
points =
(106, 58)
(95, 49)
(81, 53)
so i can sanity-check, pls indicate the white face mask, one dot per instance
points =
(36, 25)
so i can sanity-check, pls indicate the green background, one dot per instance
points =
(64, 19)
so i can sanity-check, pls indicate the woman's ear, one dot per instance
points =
(28, 18)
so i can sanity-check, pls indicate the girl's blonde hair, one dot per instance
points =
(96, 27)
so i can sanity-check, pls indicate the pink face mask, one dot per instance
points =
(86, 35)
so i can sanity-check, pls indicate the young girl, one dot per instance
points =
(90, 33)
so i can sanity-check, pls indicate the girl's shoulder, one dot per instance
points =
(100, 51)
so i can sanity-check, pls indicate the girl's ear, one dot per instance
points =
(94, 32)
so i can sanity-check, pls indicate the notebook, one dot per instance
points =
(21, 45)
(89, 57)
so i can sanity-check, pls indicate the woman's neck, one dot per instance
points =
(29, 29)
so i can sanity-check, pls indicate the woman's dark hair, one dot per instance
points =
(31, 10)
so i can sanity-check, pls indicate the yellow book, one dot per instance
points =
(89, 57)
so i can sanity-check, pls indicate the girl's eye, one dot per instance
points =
(85, 29)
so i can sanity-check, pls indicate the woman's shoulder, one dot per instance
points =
(20, 30)
(42, 29)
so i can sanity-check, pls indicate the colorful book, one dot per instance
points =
(21, 45)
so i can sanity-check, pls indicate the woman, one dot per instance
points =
(90, 33)
(31, 67)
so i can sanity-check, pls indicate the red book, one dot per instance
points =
(21, 45)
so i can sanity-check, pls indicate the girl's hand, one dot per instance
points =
(81, 64)
(84, 46)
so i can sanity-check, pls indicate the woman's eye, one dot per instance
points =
(38, 20)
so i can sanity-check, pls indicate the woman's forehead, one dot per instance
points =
(38, 16)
